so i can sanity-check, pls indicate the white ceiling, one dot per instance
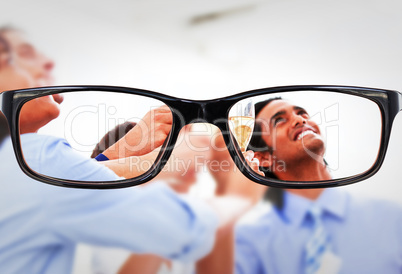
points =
(222, 46)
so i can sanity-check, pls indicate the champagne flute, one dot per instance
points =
(241, 122)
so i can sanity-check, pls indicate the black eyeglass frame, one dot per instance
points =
(214, 111)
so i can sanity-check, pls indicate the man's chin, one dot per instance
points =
(313, 141)
(315, 149)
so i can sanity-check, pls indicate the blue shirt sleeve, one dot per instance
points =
(54, 157)
(150, 218)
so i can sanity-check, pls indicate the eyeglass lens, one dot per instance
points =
(295, 136)
(128, 129)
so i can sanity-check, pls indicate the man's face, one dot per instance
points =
(29, 68)
(26, 58)
(290, 132)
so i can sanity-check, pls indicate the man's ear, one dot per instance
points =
(264, 157)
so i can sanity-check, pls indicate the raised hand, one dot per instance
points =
(149, 133)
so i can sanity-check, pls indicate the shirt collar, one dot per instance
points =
(331, 200)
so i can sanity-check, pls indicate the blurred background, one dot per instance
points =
(209, 49)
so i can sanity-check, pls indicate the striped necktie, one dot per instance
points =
(318, 244)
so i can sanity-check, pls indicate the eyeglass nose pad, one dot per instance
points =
(211, 111)
(216, 112)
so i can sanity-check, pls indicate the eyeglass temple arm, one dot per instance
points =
(4, 128)
(3, 119)
(4, 105)
(400, 100)
(1, 101)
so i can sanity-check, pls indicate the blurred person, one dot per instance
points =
(229, 181)
(44, 223)
(310, 230)
(181, 176)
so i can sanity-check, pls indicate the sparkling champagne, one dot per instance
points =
(242, 128)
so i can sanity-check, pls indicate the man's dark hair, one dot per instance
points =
(4, 46)
(6, 28)
(257, 144)
(112, 137)
(274, 195)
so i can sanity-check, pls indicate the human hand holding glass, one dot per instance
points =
(241, 122)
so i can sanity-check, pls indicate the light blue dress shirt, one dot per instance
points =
(366, 235)
(41, 224)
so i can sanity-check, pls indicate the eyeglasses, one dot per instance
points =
(301, 136)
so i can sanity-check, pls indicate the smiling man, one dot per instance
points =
(293, 141)
(307, 230)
